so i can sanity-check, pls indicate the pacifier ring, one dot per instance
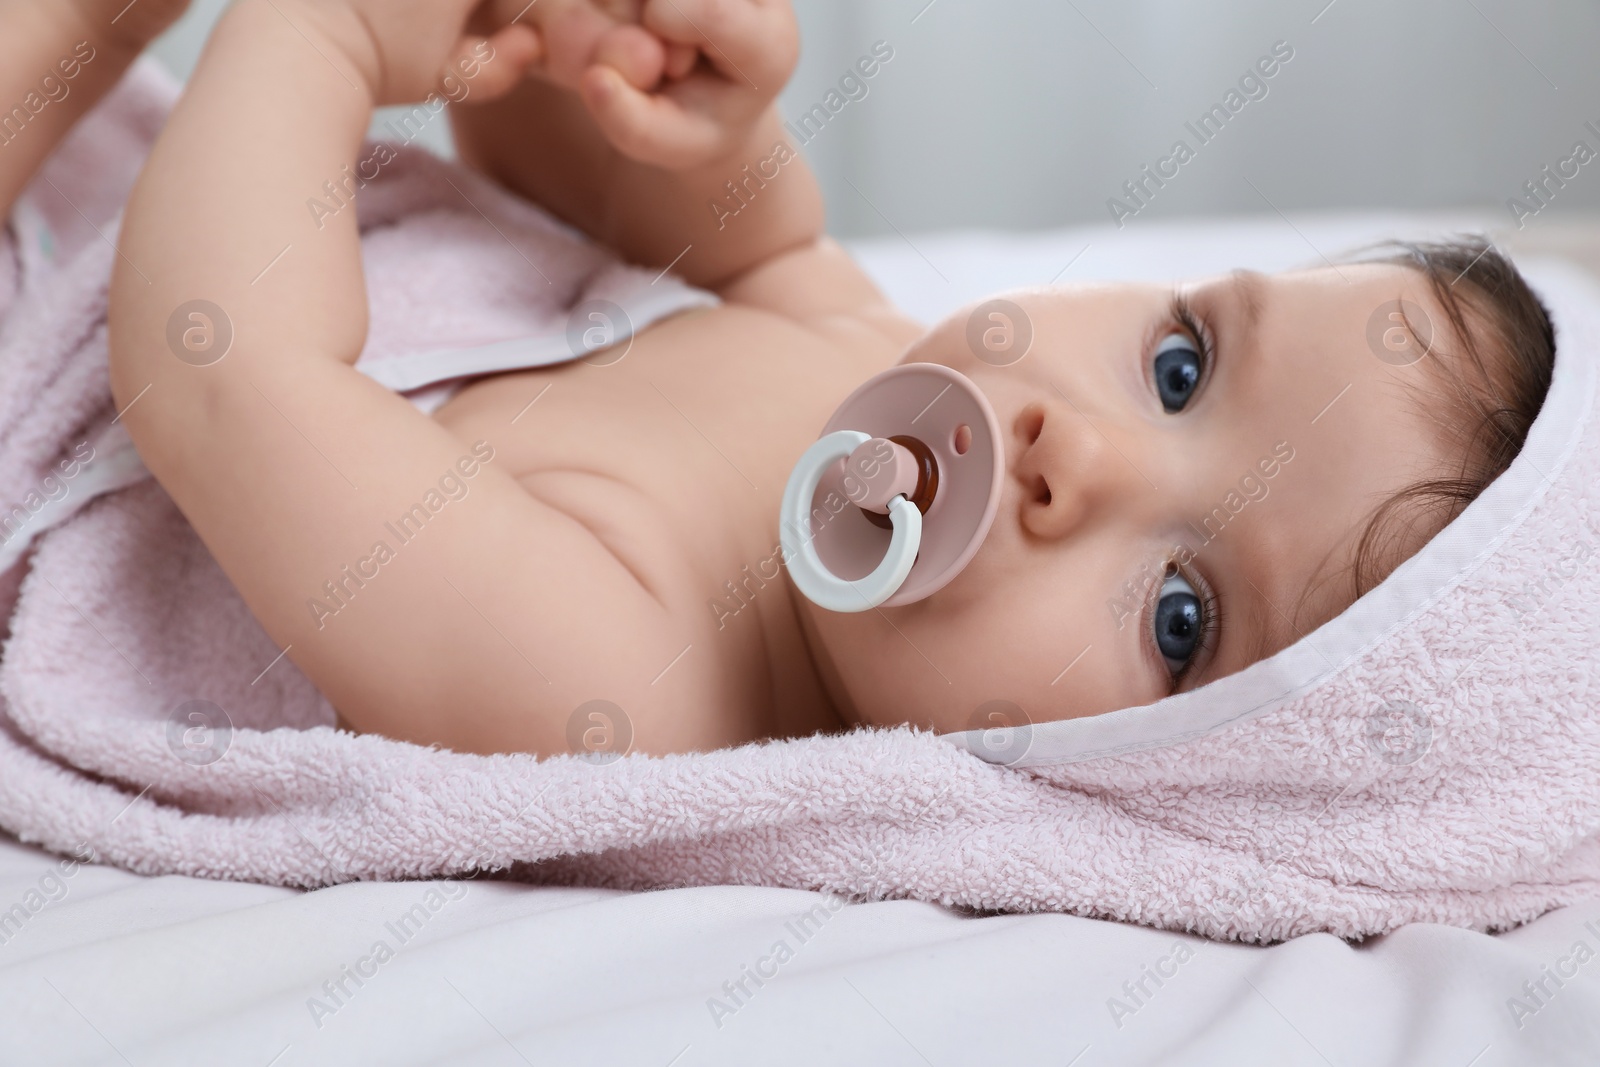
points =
(820, 584)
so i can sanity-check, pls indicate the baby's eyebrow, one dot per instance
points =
(1245, 291)
(1258, 628)
(1248, 288)
(1237, 304)
(1270, 630)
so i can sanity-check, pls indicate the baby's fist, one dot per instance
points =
(747, 49)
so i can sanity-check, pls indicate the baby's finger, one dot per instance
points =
(572, 34)
(633, 52)
(651, 128)
(486, 68)
(681, 59)
(750, 43)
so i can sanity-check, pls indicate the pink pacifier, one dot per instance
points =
(898, 493)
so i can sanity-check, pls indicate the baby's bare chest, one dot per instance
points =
(676, 453)
(702, 415)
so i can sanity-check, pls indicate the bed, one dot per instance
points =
(99, 966)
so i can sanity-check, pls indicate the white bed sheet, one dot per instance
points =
(164, 971)
(122, 969)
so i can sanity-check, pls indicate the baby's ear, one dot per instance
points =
(635, 53)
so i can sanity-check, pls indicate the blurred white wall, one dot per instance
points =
(179, 47)
(1030, 113)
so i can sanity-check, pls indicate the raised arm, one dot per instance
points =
(57, 59)
(299, 473)
(542, 141)
(694, 170)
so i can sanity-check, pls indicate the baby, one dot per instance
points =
(1194, 477)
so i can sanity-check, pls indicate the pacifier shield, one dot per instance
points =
(947, 413)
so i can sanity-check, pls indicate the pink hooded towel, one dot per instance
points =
(1432, 754)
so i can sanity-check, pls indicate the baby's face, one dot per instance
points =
(1167, 516)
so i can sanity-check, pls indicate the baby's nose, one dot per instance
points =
(1065, 466)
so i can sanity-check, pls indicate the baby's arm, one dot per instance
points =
(481, 631)
(698, 173)
(541, 141)
(57, 59)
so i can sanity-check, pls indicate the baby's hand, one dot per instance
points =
(747, 50)
(671, 83)
(576, 34)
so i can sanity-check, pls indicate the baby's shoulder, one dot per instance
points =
(819, 286)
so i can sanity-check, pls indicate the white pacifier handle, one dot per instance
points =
(820, 585)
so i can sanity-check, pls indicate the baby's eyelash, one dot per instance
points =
(1184, 314)
(1210, 627)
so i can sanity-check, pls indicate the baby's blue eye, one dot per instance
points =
(1177, 371)
(1179, 623)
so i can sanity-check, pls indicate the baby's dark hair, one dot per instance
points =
(1492, 388)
